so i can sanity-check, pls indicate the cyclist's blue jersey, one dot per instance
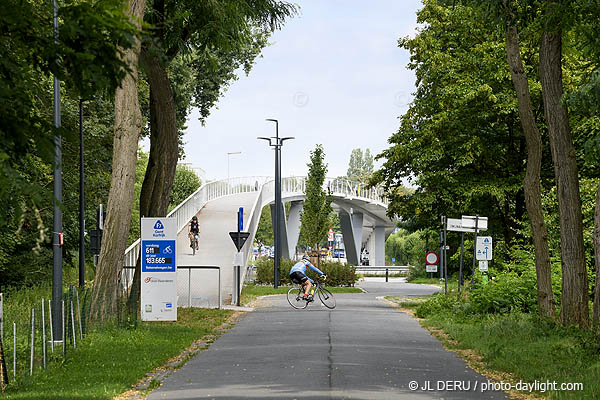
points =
(300, 266)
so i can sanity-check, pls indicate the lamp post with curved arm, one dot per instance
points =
(276, 142)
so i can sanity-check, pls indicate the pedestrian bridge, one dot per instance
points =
(362, 212)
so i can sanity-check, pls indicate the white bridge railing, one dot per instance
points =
(289, 186)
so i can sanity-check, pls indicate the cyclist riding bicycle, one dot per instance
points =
(298, 276)
(194, 230)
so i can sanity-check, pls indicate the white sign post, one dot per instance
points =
(159, 269)
(484, 248)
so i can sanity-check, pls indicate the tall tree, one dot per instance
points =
(225, 34)
(531, 183)
(360, 166)
(315, 217)
(127, 128)
(460, 142)
(355, 164)
(215, 38)
(574, 303)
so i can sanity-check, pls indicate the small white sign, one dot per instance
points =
(330, 238)
(483, 266)
(431, 268)
(484, 248)
(456, 225)
(469, 221)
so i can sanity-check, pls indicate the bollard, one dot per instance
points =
(79, 315)
(386, 275)
(14, 350)
(43, 336)
(73, 326)
(64, 325)
(1, 317)
(32, 341)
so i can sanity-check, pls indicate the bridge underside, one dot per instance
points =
(365, 226)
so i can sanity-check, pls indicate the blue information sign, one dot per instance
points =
(158, 256)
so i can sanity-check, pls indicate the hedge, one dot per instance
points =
(338, 274)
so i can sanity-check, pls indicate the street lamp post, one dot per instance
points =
(229, 154)
(276, 229)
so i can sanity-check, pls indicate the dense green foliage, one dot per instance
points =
(185, 183)
(338, 274)
(360, 166)
(461, 143)
(407, 248)
(90, 35)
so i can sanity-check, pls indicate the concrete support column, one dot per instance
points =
(293, 226)
(351, 225)
(377, 254)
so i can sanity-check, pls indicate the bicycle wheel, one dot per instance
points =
(326, 298)
(295, 298)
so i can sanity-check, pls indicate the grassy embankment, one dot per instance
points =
(515, 346)
(106, 362)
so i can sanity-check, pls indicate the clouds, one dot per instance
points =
(334, 76)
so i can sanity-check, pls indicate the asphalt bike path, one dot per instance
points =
(363, 349)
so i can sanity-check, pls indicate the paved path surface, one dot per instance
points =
(363, 349)
(216, 219)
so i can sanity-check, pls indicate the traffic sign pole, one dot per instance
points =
(475, 247)
(462, 262)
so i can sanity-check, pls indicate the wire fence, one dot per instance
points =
(28, 341)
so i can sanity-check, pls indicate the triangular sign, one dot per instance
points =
(243, 236)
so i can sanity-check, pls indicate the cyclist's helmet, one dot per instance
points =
(194, 218)
(306, 259)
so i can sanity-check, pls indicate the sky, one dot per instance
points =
(333, 75)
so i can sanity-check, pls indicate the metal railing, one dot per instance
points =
(127, 278)
(194, 203)
(290, 186)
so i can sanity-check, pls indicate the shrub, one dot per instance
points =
(507, 292)
(416, 272)
(337, 273)
(444, 304)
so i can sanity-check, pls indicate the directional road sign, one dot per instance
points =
(484, 248)
(456, 225)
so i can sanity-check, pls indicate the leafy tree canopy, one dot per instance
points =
(315, 218)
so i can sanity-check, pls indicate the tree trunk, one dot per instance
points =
(596, 317)
(127, 127)
(531, 183)
(164, 151)
(574, 301)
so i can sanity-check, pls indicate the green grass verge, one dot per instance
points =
(252, 291)
(527, 348)
(410, 302)
(110, 361)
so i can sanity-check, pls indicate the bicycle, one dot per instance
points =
(295, 296)
(194, 244)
